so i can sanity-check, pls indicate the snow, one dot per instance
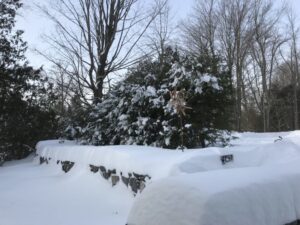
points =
(250, 150)
(44, 195)
(206, 78)
(151, 91)
(262, 196)
(260, 186)
(126, 159)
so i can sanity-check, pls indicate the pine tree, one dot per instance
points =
(75, 119)
(138, 109)
(25, 97)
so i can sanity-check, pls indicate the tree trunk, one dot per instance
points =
(238, 88)
(295, 102)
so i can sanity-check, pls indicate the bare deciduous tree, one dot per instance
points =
(223, 27)
(293, 64)
(199, 31)
(160, 33)
(96, 38)
(245, 33)
(265, 46)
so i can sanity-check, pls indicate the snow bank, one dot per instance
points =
(127, 159)
(267, 195)
(159, 163)
(261, 185)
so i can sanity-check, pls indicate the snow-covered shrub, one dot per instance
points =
(74, 119)
(138, 109)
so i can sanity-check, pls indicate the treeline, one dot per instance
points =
(125, 73)
(258, 39)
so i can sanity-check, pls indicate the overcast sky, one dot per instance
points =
(34, 24)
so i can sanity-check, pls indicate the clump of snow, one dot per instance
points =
(150, 91)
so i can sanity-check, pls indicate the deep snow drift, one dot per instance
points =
(194, 185)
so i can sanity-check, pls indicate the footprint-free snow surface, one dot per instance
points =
(44, 195)
(260, 186)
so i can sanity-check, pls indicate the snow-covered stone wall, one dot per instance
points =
(256, 179)
(136, 182)
(137, 166)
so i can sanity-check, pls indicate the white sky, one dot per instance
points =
(34, 24)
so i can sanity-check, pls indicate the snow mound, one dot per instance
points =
(158, 163)
(266, 195)
(261, 186)
(126, 159)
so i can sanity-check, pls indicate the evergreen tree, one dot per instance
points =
(25, 97)
(75, 119)
(138, 109)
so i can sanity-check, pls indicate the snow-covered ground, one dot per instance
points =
(33, 194)
(44, 195)
(261, 186)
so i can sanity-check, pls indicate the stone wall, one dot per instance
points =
(136, 182)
